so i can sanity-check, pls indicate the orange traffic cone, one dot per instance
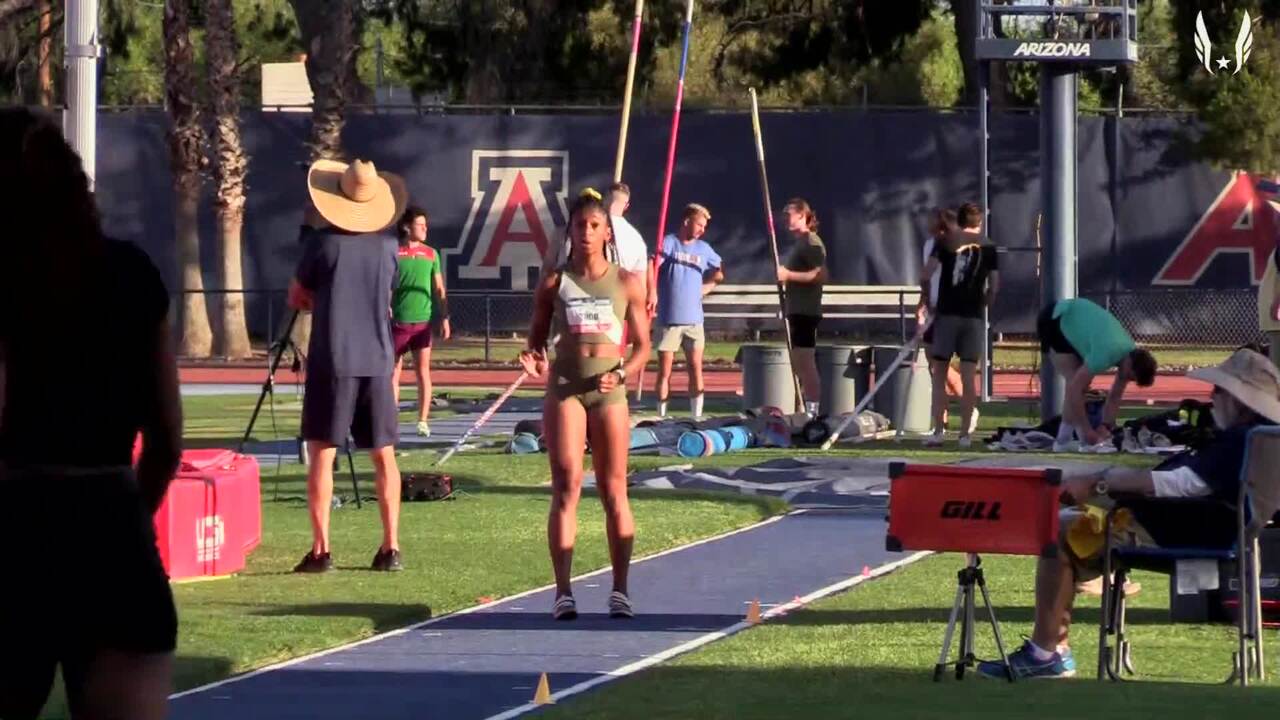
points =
(542, 696)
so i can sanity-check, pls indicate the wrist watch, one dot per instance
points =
(1101, 487)
(621, 372)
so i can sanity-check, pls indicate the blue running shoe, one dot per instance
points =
(1026, 666)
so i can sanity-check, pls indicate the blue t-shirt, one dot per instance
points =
(352, 277)
(684, 266)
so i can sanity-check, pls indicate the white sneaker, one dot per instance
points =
(1066, 447)
(936, 439)
(1014, 442)
(973, 422)
(964, 442)
(424, 429)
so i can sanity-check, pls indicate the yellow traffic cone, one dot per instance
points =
(542, 696)
(753, 612)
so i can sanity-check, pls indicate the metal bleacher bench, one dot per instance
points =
(860, 302)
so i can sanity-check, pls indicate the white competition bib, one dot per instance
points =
(588, 315)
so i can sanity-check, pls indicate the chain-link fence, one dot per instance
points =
(1176, 317)
(1219, 318)
(1168, 317)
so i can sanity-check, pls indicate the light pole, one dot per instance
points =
(79, 118)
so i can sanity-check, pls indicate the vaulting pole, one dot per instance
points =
(671, 166)
(626, 94)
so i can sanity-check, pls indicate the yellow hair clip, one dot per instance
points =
(591, 193)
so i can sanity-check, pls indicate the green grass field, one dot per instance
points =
(267, 614)
(489, 542)
(870, 652)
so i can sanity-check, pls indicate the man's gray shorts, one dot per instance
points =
(364, 407)
(962, 336)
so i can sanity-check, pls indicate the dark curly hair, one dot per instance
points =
(405, 226)
(54, 234)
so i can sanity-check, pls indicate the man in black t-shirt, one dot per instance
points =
(346, 276)
(967, 285)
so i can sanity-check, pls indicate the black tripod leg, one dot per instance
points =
(268, 385)
(355, 487)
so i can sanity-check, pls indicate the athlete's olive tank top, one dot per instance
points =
(593, 312)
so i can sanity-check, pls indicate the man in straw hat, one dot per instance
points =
(1246, 393)
(346, 276)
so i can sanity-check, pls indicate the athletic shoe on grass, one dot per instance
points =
(387, 561)
(1026, 667)
(424, 429)
(620, 605)
(1105, 447)
(936, 439)
(566, 608)
(312, 563)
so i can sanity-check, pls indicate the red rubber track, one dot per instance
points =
(1013, 385)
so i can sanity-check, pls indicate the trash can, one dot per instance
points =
(907, 398)
(767, 378)
(845, 373)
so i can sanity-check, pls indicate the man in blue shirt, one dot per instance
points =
(345, 278)
(1246, 394)
(689, 270)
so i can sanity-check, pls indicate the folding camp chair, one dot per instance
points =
(1258, 501)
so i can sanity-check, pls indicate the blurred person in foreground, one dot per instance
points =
(84, 347)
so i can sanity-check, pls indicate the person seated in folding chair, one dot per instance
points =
(1246, 394)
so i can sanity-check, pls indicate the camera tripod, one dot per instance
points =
(276, 354)
(963, 610)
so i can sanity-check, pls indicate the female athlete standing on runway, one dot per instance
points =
(595, 308)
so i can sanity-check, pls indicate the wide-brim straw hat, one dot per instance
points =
(1250, 378)
(356, 197)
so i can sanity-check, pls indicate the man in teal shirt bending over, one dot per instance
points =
(1083, 339)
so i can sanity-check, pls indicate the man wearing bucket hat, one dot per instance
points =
(345, 277)
(1246, 394)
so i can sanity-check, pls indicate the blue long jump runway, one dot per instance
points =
(485, 662)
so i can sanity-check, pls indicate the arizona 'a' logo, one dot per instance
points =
(517, 209)
(1239, 221)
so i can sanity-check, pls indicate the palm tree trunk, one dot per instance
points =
(186, 155)
(230, 166)
(44, 72)
(197, 336)
(330, 32)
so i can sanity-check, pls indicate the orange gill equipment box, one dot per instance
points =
(973, 510)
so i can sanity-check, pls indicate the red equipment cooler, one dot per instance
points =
(211, 517)
(977, 510)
